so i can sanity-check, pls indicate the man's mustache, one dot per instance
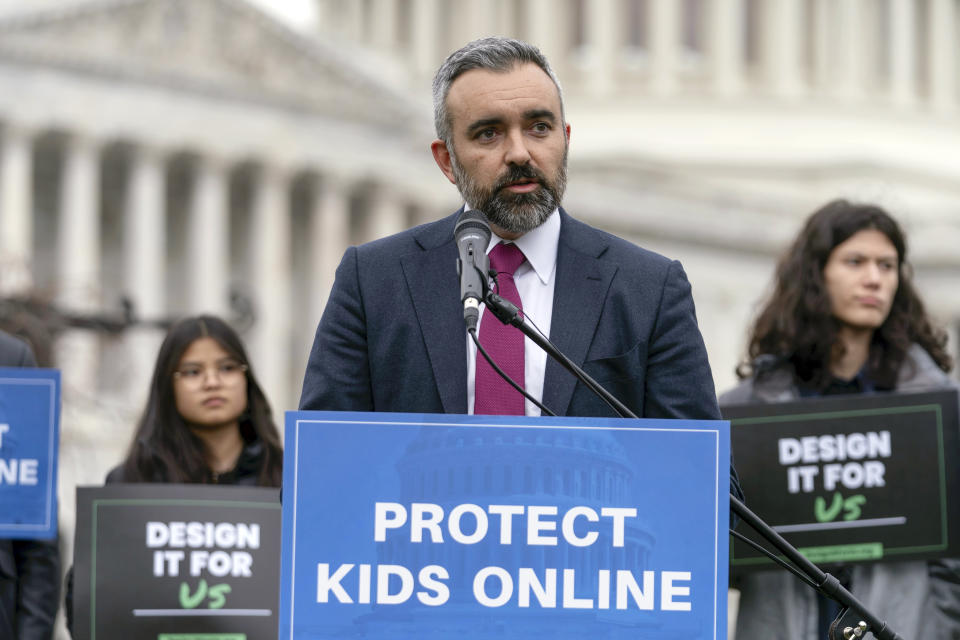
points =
(520, 172)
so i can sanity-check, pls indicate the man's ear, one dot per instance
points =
(442, 157)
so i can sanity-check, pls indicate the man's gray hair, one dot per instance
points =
(496, 54)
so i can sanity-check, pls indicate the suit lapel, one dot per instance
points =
(582, 282)
(431, 277)
(581, 286)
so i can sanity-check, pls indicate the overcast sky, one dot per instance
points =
(297, 13)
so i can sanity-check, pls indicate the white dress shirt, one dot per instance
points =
(535, 282)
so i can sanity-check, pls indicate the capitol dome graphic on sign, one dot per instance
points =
(582, 468)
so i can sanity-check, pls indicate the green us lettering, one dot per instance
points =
(215, 594)
(851, 507)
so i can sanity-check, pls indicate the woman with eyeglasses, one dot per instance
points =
(844, 318)
(206, 419)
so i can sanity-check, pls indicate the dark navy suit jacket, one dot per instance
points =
(392, 336)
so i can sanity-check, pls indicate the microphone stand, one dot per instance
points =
(854, 621)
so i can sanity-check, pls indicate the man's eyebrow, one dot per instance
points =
(480, 124)
(540, 114)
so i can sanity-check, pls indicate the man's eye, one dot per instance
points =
(487, 134)
(541, 127)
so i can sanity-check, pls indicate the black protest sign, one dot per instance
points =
(166, 562)
(857, 478)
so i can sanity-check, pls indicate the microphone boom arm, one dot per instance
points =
(854, 620)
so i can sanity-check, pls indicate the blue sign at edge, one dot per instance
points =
(30, 512)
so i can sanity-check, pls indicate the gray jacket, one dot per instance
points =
(920, 600)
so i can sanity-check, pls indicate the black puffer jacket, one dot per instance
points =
(244, 474)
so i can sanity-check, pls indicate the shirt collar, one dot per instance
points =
(539, 246)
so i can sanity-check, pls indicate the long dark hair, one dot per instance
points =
(797, 324)
(164, 449)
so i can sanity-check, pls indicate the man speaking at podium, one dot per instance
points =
(392, 337)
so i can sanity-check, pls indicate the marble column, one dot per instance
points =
(144, 259)
(16, 220)
(78, 268)
(480, 19)
(385, 215)
(603, 43)
(425, 26)
(269, 245)
(352, 19)
(781, 51)
(902, 52)
(850, 50)
(942, 55)
(383, 24)
(726, 44)
(208, 240)
(330, 236)
(503, 18)
(542, 20)
(823, 27)
(664, 45)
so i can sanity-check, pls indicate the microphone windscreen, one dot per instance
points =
(472, 221)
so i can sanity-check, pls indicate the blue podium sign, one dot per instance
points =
(440, 526)
(29, 440)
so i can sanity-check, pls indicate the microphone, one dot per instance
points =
(472, 235)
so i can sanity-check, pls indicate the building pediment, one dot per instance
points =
(220, 46)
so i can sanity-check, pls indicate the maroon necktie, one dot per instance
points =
(492, 394)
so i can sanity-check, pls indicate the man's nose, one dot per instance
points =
(516, 152)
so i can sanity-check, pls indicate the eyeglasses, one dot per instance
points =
(228, 371)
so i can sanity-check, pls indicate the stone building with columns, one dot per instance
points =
(184, 157)
(187, 156)
(708, 130)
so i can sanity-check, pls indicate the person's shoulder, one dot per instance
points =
(771, 380)
(115, 475)
(742, 393)
(919, 371)
(422, 237)
(580, 236)
(14, 352)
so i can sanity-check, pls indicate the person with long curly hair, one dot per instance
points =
(844, 317)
